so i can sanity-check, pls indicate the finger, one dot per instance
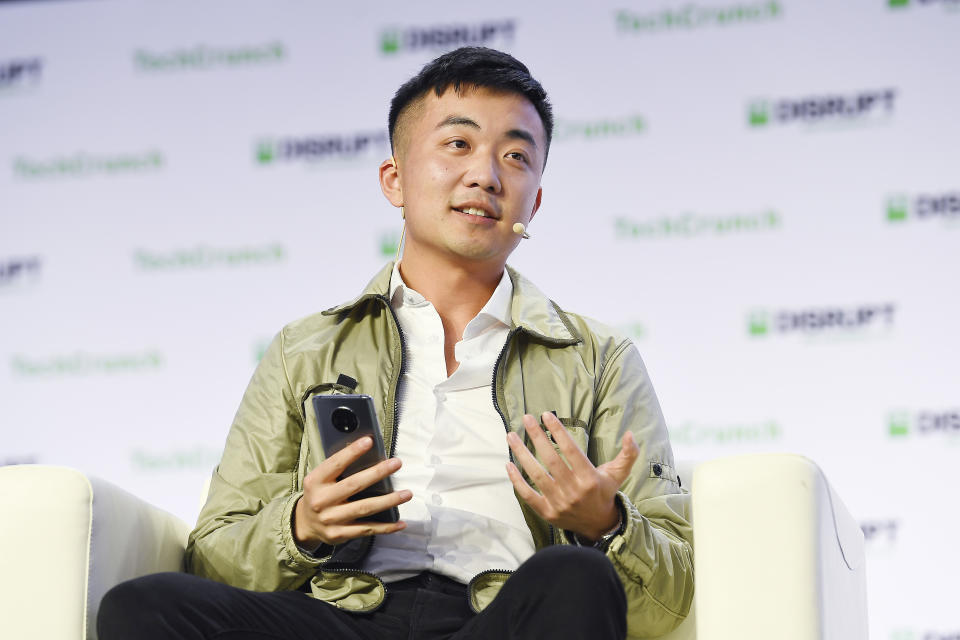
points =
(350, 512)
(334, 466)
(557, 467)
(340, 534)
(362, 479)
(578, 460)
(529, 463)
(619, 468)
(525, 491)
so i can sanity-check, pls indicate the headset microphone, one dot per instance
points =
(521, 230)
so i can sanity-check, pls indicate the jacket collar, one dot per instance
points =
(530, 310)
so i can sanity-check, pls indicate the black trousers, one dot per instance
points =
(560, 592)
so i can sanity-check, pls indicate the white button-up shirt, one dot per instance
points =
(463, 517)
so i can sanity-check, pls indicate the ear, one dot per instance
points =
(536, 203)
(390, 182)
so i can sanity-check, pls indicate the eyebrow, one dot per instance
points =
(513, 134)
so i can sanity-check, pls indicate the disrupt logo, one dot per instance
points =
(900, 424)
(84, 165)
(209, 257)
(692, 16)
(396, 39)
(388, 244)
(321, 148)
(596, 129)
(943, 206)
(204, 57)
(198, 457)
(19, 73)
(820, 320)
(81, 364)
(691, 225)
(15, 271)
(910, 634)
(879, 531)
(854, 107)
(690, 433)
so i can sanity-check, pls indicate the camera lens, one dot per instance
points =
(344, 419)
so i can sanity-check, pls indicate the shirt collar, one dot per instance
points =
(497, 307)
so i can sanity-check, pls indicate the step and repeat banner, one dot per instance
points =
(765, 195)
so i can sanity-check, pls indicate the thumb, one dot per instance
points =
(619, 467)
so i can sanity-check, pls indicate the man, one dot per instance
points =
(532, 468)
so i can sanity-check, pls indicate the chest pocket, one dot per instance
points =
(576, 429)
(311, 447)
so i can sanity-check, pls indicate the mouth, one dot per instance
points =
(476, 211)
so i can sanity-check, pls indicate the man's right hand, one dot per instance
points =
(324, 515)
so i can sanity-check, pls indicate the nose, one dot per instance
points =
(484, 173)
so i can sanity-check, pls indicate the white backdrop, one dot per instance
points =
(765, 195)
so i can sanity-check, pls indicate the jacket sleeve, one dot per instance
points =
(243, 535)
(654, 553)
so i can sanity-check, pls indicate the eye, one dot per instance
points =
(518, 156)
(458, 143)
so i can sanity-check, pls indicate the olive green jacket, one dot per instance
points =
(553, 360)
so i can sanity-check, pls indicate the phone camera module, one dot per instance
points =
(344, 419)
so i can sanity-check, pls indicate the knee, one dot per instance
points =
(581, 572)
(132, 606)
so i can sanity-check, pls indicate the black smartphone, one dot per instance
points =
(343, 419)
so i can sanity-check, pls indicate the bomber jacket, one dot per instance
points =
(553, 360)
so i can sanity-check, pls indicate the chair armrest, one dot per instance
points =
(67, 539)
(777, 553)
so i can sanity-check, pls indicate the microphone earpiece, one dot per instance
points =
(521, 230)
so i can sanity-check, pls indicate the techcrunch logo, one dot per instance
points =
(763, 431)
(691, 225)
(950, 5)
(602, 128)
(820, 320)
(19, 271)
(203, 57)
(636, 331)
(85, 364)
(202, 257)
(395, 40)
(193, 458)
(942, 206)
(321, 148)
(693, 16)
(82, 164)
(20, 73)
(902, 424)
(849, 108)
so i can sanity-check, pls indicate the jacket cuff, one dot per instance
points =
(298, 559)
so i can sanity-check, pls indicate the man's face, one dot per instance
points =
(469, 167)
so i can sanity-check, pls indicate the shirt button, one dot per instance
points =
(437, 500)
(434, 459)
(441, 395)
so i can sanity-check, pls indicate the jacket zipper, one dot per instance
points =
(480, 575)
(395, 383)
(503, 418)
(344, 568)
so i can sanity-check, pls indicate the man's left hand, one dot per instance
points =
(574, 495)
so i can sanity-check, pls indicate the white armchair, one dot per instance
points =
(777, 554)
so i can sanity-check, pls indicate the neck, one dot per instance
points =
(456, 291)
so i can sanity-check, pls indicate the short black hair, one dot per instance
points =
(478, 67)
